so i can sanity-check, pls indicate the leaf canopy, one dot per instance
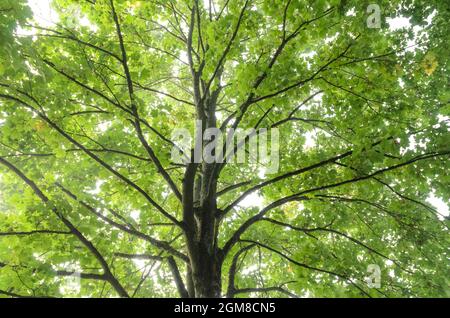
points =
(363, 119)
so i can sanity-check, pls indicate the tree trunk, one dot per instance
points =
(205, 258)
(204, 254)
(201, 222)
(206, 275)
(200, 214)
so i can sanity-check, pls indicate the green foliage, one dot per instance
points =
(376, 98)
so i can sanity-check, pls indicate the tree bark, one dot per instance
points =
(204, 270)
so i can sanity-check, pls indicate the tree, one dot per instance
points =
(89, 188)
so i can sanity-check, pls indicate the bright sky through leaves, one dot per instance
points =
(93, 205)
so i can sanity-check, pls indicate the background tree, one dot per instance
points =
(88, 189)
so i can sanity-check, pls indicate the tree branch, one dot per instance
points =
(134, 109)
(301, 196)
(34, 232)
(96, 158)
(321, 270)
(107, 272)
(265, 290)
(231, 290)
(177, 277)
(157, 243)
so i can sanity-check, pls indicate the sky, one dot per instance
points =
(46, 17)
